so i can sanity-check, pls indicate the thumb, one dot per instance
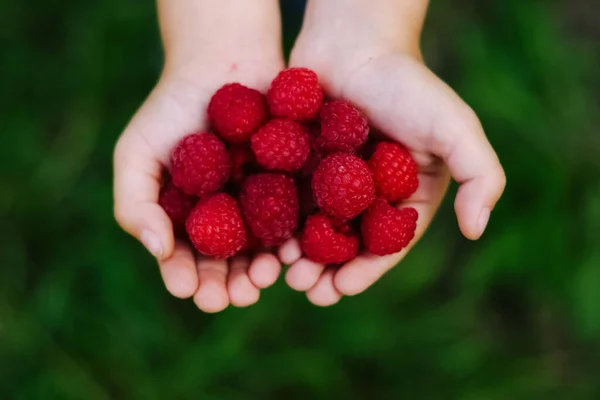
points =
(472, 163)
(136, 188)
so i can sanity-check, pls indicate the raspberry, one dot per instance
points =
(200, 164)
(343, 127)
(270, 206)
(281, 145)
(243, 161)
(394, 172)
(322, 243)
(295, 94)
(215, 226)
(387, 230)
(176, 204)
(343, 185)
(236, 112)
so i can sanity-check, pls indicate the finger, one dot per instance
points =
(427, 115)
(357, 275)
(264, 270)
(242, 291)
(179, 271)
(303, 274)
(211, 295)
(290, 251)
(474, 165)
(136, 187)
(324, 293)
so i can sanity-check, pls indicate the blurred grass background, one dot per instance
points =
(83, 312)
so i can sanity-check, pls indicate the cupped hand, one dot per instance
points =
(177, 107)
(403, 99)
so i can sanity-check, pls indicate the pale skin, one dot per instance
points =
(364, 51)
(197, 63)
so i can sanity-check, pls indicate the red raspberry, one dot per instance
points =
(243, 161)
(343, 127)
(295, 94)
(236, 112)
(215, 226)
(325, 244)
(200, 164)
(270, 206)
(176, 204)
(394, 172)
(281, 145)
(387, 230)
(343, 185)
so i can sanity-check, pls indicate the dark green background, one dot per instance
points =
(83, 311)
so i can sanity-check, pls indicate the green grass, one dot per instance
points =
(84, 315)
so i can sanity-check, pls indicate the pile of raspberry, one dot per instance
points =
(287, 163)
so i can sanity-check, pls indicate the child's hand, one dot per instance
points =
(407, 102)
(177, 107)
(197, 64)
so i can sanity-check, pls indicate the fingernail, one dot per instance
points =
(150, 240)
(484, 217)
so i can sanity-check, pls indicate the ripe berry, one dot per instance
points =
(200, 164)
(295, 94)
(281, 145)
(215, 226)
(343, 185)
(387, 230)
(176, 204)
(394, 172)
(236, 112)
(343, 127)
(326, 244)
(270, 206)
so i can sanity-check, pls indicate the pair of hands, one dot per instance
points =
(391, 85)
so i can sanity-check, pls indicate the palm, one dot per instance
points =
(175, 108)
(408, 104)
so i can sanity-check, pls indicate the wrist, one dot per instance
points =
(383, 26)
(208, 74)
(213, 37)
(231, 51)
